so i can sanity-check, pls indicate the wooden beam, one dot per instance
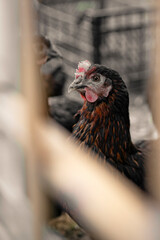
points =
(100, 199)
(154, 100)
(33, 93)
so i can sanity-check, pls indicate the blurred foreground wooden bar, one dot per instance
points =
(33, 93)
(108, 206)
(154, 161)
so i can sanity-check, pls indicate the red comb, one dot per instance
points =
(83, 67)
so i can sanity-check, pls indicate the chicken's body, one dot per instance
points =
(107, 134)
(50, 65)
(104, 124)
(61, 108)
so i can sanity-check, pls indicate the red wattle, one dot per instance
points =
(90, 95)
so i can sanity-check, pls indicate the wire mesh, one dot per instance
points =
(118, 36)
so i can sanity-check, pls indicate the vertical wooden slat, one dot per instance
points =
(32, 84)
(33, 92)
(154, 94)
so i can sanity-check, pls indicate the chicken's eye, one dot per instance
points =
(96, 78)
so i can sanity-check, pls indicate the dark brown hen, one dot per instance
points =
(104, 124)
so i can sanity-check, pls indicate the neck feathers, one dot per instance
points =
(105, 127)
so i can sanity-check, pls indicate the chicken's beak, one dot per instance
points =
(54, 53)
(71, 88)
(76, 85)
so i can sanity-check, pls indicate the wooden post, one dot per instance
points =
(35, 98)
(154, 94)
(97, 39)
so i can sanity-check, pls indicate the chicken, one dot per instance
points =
(44, 50)
(103, 122)
(50, 65)
(61, 108)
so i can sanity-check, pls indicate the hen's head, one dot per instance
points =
(95, 82)
(44, 50)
